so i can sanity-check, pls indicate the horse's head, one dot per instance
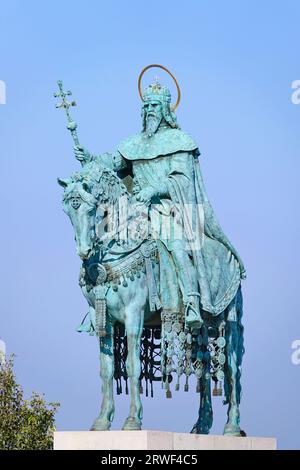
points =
(95, 199)
(80, 205)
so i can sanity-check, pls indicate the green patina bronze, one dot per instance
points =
(162, 281)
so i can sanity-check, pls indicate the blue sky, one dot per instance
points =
(235, 62)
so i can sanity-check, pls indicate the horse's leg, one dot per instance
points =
(134, 326)
(205, 414)
(234, 352)
(104, 420)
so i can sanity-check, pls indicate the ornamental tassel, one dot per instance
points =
(186, 385)
(100, 309)
(168, 392)
(100, 317)
(217, 391)
(124, 283)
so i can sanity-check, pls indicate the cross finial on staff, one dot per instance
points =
(65, 104)
(63, 94)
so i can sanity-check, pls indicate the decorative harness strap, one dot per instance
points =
(100, 277)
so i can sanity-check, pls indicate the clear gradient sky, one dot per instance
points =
(235, 61)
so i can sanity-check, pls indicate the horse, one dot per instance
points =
(120, 281)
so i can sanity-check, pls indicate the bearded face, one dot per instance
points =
(153, 115)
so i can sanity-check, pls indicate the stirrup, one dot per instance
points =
(196, 321)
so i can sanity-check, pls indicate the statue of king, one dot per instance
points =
(163, 163)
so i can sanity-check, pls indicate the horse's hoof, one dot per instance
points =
(199, 430)
(132, 424)
(195, 429)
(101, 424)
(232, 430)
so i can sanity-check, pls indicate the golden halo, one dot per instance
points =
(173, 107)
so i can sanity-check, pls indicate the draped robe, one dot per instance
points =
(168, 162)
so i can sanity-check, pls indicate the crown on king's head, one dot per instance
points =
(157, 92)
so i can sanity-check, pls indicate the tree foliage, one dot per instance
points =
(24, 424)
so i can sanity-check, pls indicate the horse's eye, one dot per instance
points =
(75, 202)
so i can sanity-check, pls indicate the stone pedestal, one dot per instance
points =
(156, 440)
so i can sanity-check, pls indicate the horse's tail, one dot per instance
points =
(239, 350)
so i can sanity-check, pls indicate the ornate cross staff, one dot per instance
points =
(72, 125)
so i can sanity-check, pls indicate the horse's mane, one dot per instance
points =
(103, 183)
(104, 188)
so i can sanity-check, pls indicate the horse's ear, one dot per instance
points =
(63, 182)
